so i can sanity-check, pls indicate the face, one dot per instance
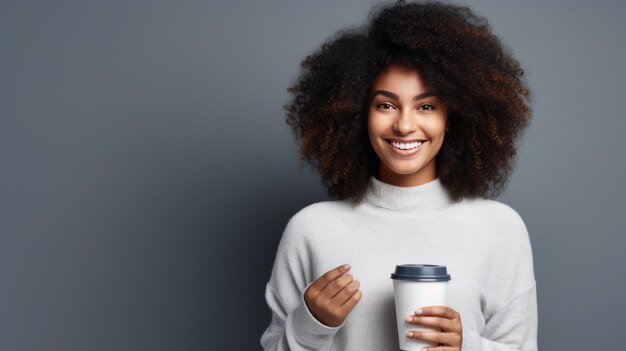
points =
(406, 126)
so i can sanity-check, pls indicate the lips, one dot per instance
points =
(393, 143)
(405, 152)
(404, 141)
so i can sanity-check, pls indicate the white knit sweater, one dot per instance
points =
(483, 243)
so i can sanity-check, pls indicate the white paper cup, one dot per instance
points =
(415, 286)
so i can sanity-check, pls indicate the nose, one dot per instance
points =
(405, 123)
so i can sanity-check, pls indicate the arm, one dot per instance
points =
(293, 327)
(511, 327)
(511, 310)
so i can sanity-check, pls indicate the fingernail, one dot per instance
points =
(409, 319)
(346, 267)
(419, 311)
(409, 334)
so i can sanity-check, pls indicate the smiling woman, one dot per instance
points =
(457, 56)
(412, 123)
(406, 128)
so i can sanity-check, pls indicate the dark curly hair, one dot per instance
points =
(457, 54)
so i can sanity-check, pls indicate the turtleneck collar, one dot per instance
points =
(400, 198)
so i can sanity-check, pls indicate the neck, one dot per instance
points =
(427, 174)
(431, 194)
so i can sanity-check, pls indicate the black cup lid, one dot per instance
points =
(421, 273)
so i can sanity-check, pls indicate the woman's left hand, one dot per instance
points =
(445, 318)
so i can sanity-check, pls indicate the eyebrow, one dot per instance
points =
(396, 97)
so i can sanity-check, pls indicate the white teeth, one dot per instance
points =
(406, 146)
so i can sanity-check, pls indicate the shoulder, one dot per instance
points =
(311, 229)
(504, 231)
(318, 220)
(319, 212)
(497, 214)
(492, 208)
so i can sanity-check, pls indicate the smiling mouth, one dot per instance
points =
(405, 145)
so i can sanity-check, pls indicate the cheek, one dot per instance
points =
(374, 132)
(437, 128)
(371, 128)
(375, 126)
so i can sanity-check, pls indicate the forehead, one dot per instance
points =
(400, 79)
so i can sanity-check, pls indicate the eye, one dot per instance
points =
(384, 104)
(428, 107)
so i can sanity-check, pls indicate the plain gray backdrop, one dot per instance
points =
(147, 172)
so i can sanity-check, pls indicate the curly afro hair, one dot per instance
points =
(457, 54)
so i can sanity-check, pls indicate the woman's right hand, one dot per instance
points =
(331, 297)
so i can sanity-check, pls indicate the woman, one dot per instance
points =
(412, 122)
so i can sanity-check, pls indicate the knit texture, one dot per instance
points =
(483, 243)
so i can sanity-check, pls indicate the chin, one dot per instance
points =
(405, 171)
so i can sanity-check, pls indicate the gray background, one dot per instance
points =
(147, 172)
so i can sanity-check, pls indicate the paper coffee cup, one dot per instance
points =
(415, 286)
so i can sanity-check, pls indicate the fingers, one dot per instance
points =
(336, 286)
(441, 311)
(435, 322)
(439, 317)
(344, 295)
(328, 277)
(332, 296)
(447, 339)
(352, 300)
(342, 292)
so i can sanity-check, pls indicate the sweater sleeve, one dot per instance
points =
(510, 328)
(292, 326)
(510, 314)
